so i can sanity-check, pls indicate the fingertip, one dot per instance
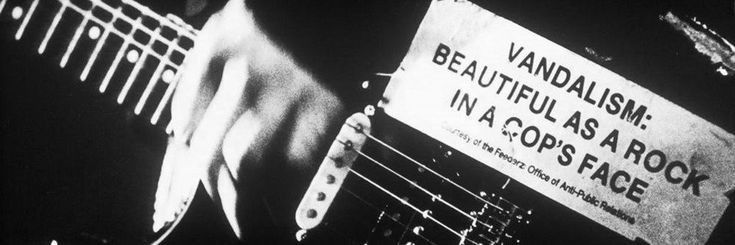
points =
(228, 196)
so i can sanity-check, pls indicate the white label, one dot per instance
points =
(563, 125)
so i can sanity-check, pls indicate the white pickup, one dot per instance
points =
(332, 172)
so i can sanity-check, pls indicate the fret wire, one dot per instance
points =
(433, 196)
(373, 138)
(130, 21)
(93, 56)
(115, 62)
(426, 215)
(73, 43)
(151, 83)
(122, 35)
(111, 29)
(27, 18)
(169, 128)
(136, 69)
(52, 28)
(2, 6)
(165, 99)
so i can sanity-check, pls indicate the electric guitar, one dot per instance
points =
(372, 188)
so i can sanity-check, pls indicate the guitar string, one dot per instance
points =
(400, 200)
(423, 166)
(373, 138)
(408, 203)
(385, 213)
(426, 213)
(432, 195)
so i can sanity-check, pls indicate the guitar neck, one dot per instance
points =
(124, 48)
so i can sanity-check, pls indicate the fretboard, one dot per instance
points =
(122, 47)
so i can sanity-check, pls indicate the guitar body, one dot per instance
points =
(80, 167)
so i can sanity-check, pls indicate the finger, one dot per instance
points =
(272, 94)
(195, 89)
(271, 102)
(228, 196)
(175, 187)
(236, 143)
(178, 178)
(225, 107)
(240, 139)
(206, 142)
(164, 180)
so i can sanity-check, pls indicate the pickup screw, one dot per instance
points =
(321, 196)
(311, 213)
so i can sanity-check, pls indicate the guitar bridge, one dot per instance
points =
(496, 222)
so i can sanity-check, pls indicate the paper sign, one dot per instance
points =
(563, 125)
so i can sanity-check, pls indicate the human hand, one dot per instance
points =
(238, 92)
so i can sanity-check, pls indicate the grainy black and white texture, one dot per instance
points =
(79, 169)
